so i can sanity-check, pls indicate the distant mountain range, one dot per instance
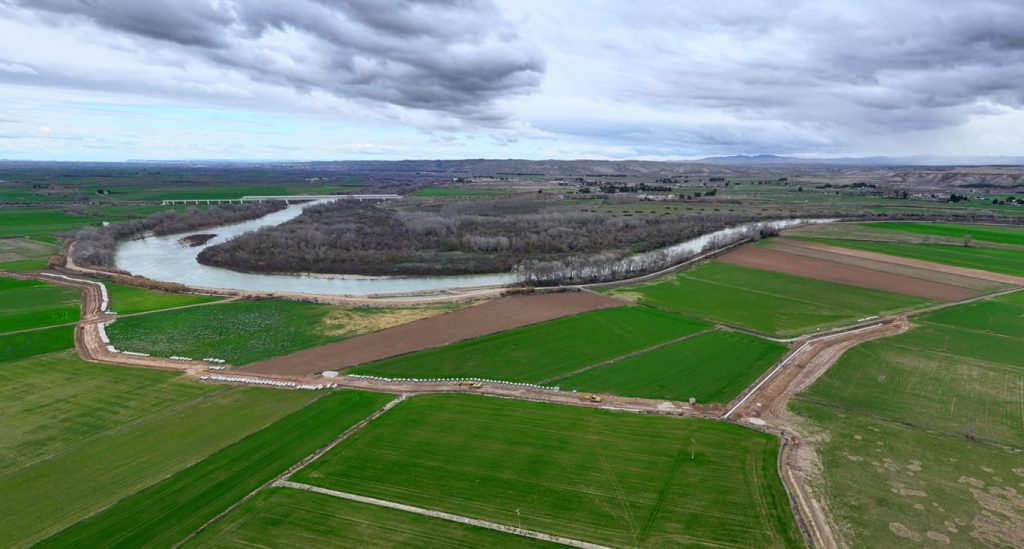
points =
(925, 160)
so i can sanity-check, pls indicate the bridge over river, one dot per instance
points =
(285, 198)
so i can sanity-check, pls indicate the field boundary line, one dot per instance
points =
(294, 468)
(227, 299)
(440, 515)
(39, 329)
(626, 356)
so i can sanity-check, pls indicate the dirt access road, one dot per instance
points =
(89, 344)
(764, 407)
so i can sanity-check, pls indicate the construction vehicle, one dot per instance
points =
(591, 398)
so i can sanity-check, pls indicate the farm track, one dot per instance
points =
(441, 515)
(88, 343)
(764, 407)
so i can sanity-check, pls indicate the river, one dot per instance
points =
(162, 258)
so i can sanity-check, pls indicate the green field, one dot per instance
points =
(165, 513)
(880, 478)
(956, 374)
(239, 332)
(1002, 316)
(282, 517)
(50, 403)
(79, 444)
(447, 191)
(713, 367)
(541, 351)
(926, 429)
(44, 221)
(987, 233)
(36, 342)
(25, 254)
(996, 260)
(612, 478)
(772, 303)
(29, 304)
(129, 299)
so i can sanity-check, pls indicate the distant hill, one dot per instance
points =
(925, 160)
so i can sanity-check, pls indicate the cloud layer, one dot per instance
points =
(453, 56)
(536, 78)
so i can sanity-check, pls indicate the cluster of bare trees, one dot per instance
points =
(457, 238)
(95, 246)
(609, 267)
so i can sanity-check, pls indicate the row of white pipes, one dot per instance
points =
(267, 382)
(454, 380)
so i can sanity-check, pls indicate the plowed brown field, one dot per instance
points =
(919, 263)
(476, 321)
(783, 262)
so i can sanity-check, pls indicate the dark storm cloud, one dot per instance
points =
(186, 22)
(455, 56)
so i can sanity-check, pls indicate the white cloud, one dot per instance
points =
(16, 68)
(534, 78)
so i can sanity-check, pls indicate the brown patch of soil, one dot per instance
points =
(783, 262)
(194, 240)
(790, 246)
(962, 271)
(476, 321)
(904, 532)
(350, 322)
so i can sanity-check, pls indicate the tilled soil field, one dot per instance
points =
(783, 262)
(919, 263)
(494, 316)
(951, 279)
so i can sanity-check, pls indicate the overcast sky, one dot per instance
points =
(388, 79)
